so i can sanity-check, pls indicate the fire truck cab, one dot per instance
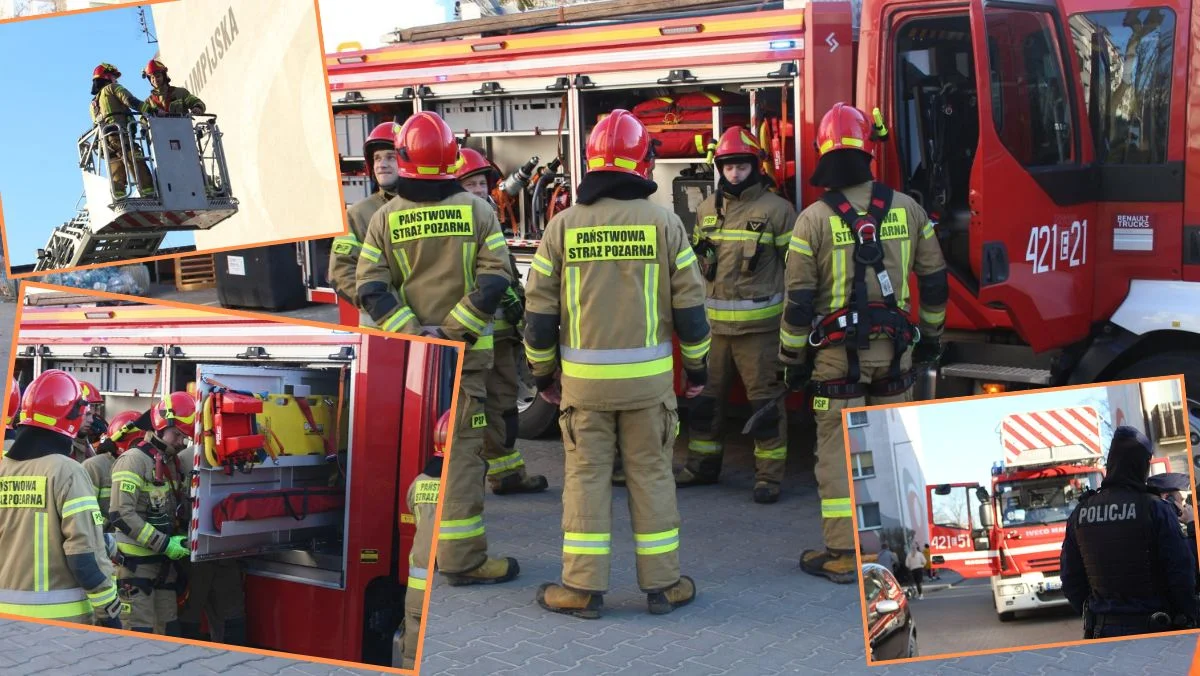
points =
(320, 581)
(185, 156)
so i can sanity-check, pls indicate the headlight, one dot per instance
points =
(1012, 589)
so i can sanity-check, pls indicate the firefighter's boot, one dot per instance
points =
(703, 472)
(837, 565)
(493, 571)
(766, 492)
(520, 483)
(676, 596)
(559, 599)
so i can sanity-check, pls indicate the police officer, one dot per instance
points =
(148, 488)
(123, 432)
(94, 425)
(1126, 566)
(166, 99)
(506, 466)
(55, 564)
(422, 501)
(613, 279)
(741, 238)
(434, 262)
(379, 151)
(847, 279)
(112, 108)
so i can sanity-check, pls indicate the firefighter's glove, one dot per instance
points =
(99, 426)
(107, 446)
(177, 547)
(513, 306)
(796, 376)
(706, 256)
(549, 388)
(697, 376)
(928, 351)
(110, 615)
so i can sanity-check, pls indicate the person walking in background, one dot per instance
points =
(916, 567)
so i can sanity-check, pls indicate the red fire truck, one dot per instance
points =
(1054, 142)
(1014, 534)
(332, 583)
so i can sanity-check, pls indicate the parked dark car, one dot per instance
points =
(891, 630)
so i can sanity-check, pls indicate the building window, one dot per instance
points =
(1125, 69)
(856, 419)
(868, 516)
(862, 465)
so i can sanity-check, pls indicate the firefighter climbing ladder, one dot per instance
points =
(186, 157)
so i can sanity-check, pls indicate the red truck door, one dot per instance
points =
(957, 538)
(1032, 210)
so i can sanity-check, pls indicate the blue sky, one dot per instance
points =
(47, 84)
(962, 440)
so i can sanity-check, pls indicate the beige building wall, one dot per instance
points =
(257, 64)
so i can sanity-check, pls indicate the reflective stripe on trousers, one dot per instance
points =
(417, 578)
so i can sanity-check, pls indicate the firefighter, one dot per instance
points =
(613, 278)
(112, 110)
(148, 488)
(422, 501)
(213, 589)
(380, 153)
(122, 433)
(10, 413)
(93, 426)
(434, 262)
(55, 563)
(847, 286)
(506, 467)
(741, 240)
(165, 99)
(1125, 562)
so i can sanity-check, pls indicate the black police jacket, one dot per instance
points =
(1124, 553)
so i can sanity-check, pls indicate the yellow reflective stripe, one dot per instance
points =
(430, 171)
(469, 319)
(505, 463)
(852, 142)
(484, 343)
(838, 300)
(128, 476)
(826, 146)
(618, 371)
(573, 312)
(461, 529)
(836, 508)
(622, 162)
(650, 296)
(704, 446)
(87, 503)
(932, 317)
(371, 253)
(146, 533)
(495, 241)
(649, 544)
(41, 553)
(927, 230)
(101, 599)
(416, 583)
(695, 350)
(468, 266)
(130, 548)
(784, 239)
(699, 144)
(740, 236)
(104, 493)
(587, 543)
(542, 265)
(744, 315)
(685, 258)
(51, 611)
(793, 340)
(800, 246)
(44, 419)
(397, 320)
(500, 324)
(771, 453)
(540, 356)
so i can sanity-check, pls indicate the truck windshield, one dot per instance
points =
(1034, 502)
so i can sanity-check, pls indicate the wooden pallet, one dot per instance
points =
(196, 272)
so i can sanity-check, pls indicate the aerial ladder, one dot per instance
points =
(186, 160)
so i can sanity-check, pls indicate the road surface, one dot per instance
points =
(962, 618)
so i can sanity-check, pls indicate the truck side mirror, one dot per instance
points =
(981, 494)
(985, 516)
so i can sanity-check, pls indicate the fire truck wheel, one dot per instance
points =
(1173, 363)
(536, 416)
